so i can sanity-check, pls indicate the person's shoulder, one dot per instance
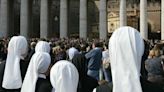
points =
(149, 60)
(99, 50)
(158, 59)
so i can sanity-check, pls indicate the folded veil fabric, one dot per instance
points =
(39, 64)
(64, 77)
(42, 46)
(17, 48)
(126, 48)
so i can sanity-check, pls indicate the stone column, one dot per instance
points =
(11, 20)
(4, 18)
(63, 19)
(123, 14)
(25, 17)
(162, 20)
(143, 19)
(83, 19)
(103, 20)
(44, 19)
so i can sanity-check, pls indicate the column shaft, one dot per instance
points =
(63, 19)
(44, 19)
(162, 20)
(103, 20)
(4, 18)
(11, 30)
(83, 19)
(143, 19)
(123, 14)
(25, 17)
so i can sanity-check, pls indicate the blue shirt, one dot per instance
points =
(95, 58)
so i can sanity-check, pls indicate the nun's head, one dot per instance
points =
(42, 46)
(18, 45)
(41, 60)
(64, 77)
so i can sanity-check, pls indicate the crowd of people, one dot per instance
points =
(125, 63)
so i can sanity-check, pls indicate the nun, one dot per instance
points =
(64, 77)
(13, 70)
(41, 46)
(35, 79)
(86, 83)
(126, 48)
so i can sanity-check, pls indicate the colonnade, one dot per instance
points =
(26, 8)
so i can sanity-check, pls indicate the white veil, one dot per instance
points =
(126, 48)
(42, 46)
(17, 48)
(64, 77)
(39, 64)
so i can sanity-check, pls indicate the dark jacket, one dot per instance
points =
(43, 85)
(86, 83)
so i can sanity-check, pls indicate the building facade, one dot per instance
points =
(72, 18)
(133, 16)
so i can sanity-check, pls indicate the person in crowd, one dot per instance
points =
(83, 48)
(86, 83)
(3, 50)
(41, 46)
(35, 79)
(64, 77)
(72, 51)
(94, 58)
(59, 53)
(13, 70)
(104, 86)
(151, 54)
(144, 58)
(31, 50)
(106, 64)
(126, 48)
(62, 54)
(154, 66)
